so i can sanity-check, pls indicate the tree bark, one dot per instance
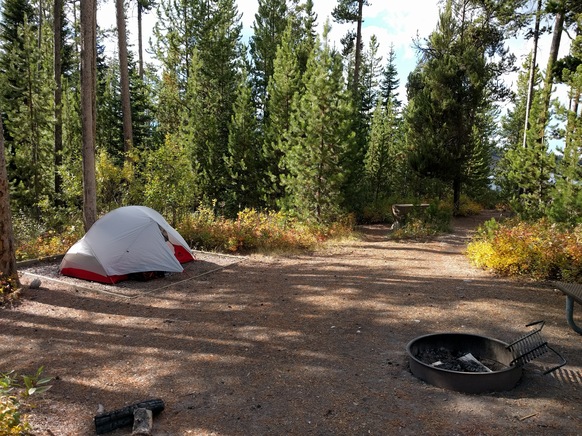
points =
(140, 39)
(549, 79)
(456, 195)
(89, 108)
(7, 248)
(358, 46)
(58, 63)
(124, 74)
(532, 72)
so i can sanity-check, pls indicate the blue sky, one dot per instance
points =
(392, 21)
(395, 22)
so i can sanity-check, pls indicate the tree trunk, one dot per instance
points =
(358, 46)
(88, 109)
(140, 39)
(7, 249)
(58, 63)
(124, 74)
(456, 195)
(549, 79)
(532, 72)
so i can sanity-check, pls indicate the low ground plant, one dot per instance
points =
(257, 231)
(47, 243)
(52, 235)
(9, 290)
(540, 250)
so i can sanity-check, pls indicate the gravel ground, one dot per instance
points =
(291, 345)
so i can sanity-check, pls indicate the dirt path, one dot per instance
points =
(296, 345)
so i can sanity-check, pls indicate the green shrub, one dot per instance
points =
(469, 207)
(379, 211)
(13, 394)
(426, 223)
(540, 250)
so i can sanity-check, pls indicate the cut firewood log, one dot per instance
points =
(109, 421)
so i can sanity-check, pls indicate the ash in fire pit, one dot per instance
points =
(454, 360)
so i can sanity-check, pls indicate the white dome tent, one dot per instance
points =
(128, 240)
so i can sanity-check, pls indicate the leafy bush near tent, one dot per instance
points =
(256, 231)
(540, 250)
(47, 243)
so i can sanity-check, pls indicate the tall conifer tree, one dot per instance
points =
(243, 158)
(448, 92)
(318, 137)
(268, 27)
(282, 87)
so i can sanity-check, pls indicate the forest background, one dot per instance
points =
(287, 122)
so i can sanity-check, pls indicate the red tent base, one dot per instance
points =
(91, 276)
(180, 252)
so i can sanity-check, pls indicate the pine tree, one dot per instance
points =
(318, 138)
(525, 171)
(15, 13)
(206, 34)
(219, 54)
(285, 83)
(363, 105)
(124, 77)
(385, 161)
(448, 93)
(268, 27)
(390, 82)
(29, 115)
(243, 158)
(88, 108)
(304, 21)
(567, 194)
(350, 11)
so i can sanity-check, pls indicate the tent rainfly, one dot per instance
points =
(128, 240)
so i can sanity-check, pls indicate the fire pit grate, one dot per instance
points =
(531, 346)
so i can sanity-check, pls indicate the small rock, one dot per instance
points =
(35, 284)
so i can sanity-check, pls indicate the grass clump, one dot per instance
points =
(540, 250)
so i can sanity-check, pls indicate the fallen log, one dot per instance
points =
(109, 421)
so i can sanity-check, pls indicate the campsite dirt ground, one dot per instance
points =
(292, 345)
